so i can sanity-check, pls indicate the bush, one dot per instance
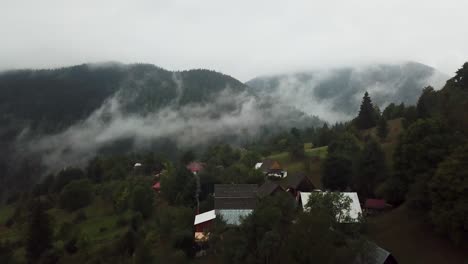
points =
(122, 221)
(80, 217)
(76, 195)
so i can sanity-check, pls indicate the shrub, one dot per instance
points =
(75, 195)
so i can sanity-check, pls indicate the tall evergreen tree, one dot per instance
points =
(382, 128)
(367, 114)
(39, 233)
(371, 167)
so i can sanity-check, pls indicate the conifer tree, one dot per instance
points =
(367, 114)
(382, 128)
(39, 233)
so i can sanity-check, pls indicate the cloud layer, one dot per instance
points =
(242, 38)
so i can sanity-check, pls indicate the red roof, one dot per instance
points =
(195, 166)
(375, 204)
(157, 186)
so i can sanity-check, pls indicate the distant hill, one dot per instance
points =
(67, 115)
(54, 99)
(335, 94)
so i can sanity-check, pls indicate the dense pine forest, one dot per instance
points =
(138, 205)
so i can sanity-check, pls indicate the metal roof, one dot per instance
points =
(353, 212)
(234, 216)
(235, 190)
(204, 217)
(235, 196)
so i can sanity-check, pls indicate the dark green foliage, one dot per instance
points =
(250, 158)
(178, 186)
(187, 157)
(324, 136)
(143, 254)
(94, 170)
(331, 203)
(127, 244)
(421, 148)
(337, 172)
(295, 144)
(65, 176)
(345, 145)
(460, 78)
(447, 192)
(382, 128)
(38, 234)
(76, 194)
(338, 168)
(221, 155)
(427, 103)
(367, 116)
(371, 169)
(6, 253)
(143, 200)
(393, 111)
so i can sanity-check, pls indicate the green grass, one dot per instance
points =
(411, 241)
(308, 145)
(320, 152)
(11, 234)
(314, 158)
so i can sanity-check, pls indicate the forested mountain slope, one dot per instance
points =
(334, 94)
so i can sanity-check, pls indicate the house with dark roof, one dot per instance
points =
(269, 188)
(298, 182)
(373, 254)
(234, 201)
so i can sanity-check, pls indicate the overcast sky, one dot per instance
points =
(240, 38)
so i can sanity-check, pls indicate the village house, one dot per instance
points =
(350, 216)
(269, 188)
(271, 168)
(298, 182)
(203, 224)
(374, 254)
(233, 202)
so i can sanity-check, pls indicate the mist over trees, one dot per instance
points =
(113, 210)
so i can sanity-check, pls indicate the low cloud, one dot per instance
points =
(227, 115)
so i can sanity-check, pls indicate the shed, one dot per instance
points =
(204, 221)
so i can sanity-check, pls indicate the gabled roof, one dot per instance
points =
(353, 212)
(235, 190)
(266, 164)
(268, 188)
(235, 196)
(258, 165)
(373, 254)
(294, 180)
(275, 166)
(204, 217)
